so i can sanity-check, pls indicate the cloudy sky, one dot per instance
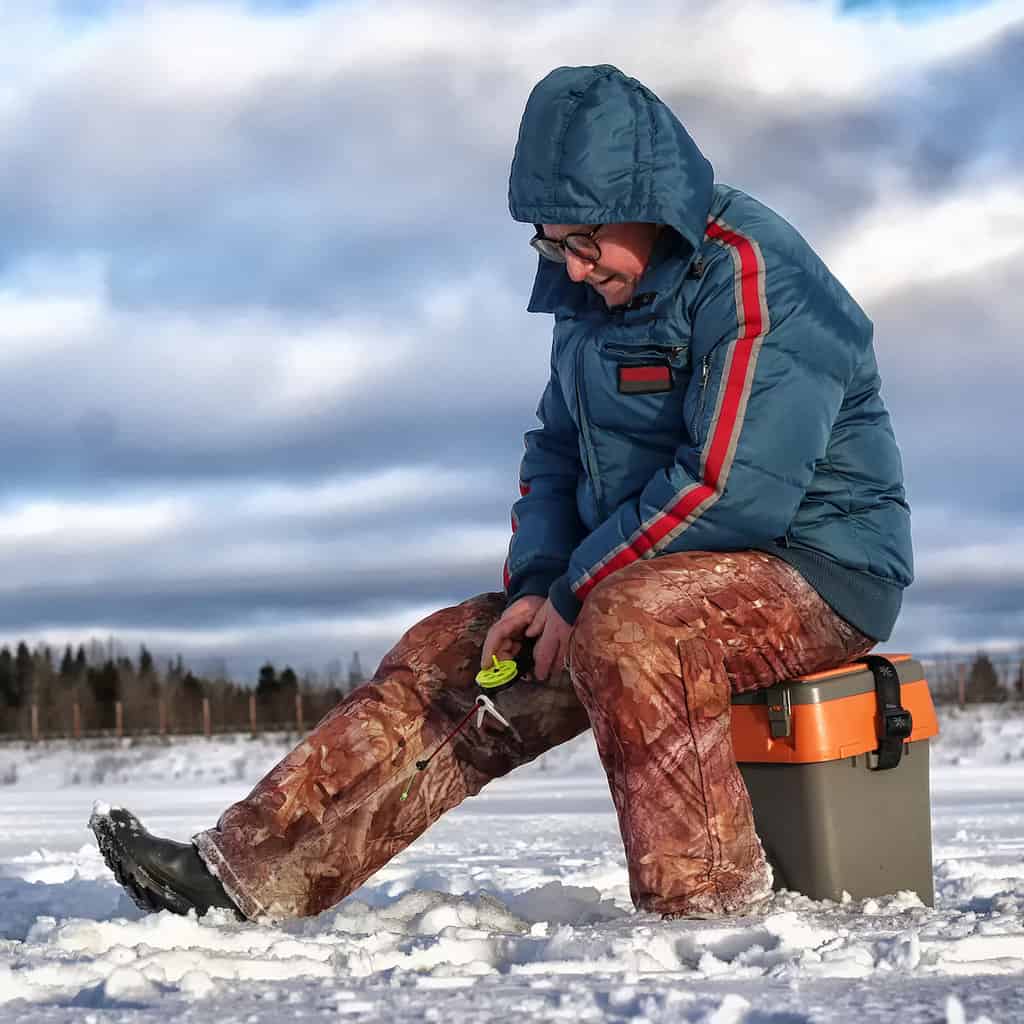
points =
(265, 364)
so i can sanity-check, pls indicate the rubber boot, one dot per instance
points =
(158, 874)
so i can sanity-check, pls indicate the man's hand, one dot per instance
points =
(552, 649)
(504, 638)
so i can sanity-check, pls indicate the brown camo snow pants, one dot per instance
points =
(655, 654)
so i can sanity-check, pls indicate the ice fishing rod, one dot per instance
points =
(499, 675)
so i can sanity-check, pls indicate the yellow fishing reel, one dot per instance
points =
(501, 673)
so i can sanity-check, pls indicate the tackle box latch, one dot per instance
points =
(780, 710)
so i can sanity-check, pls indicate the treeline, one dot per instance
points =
(980, 680)
(97, 690)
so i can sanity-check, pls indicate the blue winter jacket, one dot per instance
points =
(732, 404)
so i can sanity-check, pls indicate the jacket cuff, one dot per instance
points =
(564, 600)
(536, 583)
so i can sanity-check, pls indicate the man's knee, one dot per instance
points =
(449, 638)
(625, 600)
(639, 620)
(616, 617)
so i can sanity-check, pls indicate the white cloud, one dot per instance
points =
(242, 531)
(31, 325)
(205, 374)
(389, 549)
(391, 488)
(961, 541)
(918, 239)
(324, 366)
(72, 524)
(996, 562)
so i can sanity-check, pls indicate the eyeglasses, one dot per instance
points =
(581, 244)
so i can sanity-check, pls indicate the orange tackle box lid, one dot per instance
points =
(827, 715)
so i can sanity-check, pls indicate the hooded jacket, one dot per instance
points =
(732, 404)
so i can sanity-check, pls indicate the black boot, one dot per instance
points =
(159, 874)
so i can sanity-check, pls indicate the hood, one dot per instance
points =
(597, 147)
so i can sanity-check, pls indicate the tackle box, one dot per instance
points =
(829, 817)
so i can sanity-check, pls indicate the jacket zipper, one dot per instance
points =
(585, 431)
(705, 372)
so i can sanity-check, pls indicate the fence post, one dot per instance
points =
(206, 717)
(76, 720)
(35, 723)
(118, 719)
(298, 712)
(162, 714)
(252, 713)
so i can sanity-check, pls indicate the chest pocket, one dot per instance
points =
(636, 387)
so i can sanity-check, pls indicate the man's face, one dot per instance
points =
(625, 252)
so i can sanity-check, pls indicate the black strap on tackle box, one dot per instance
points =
(897, 722)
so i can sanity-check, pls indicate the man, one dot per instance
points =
(713, 503)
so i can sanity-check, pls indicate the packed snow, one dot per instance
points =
(513, 907)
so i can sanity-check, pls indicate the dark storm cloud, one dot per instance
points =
(355, 440)
(463, 395)
(967, 113)
(824, 163)
(950, 355)
(311, 196)
(963, 610)
(222, 600)
(987, 596)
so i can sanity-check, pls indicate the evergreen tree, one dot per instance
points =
(44, 656)
(8, 694)
(149, 682)
(67, 666)
(267, 686)
(24, 674)
(356, 677)
(192, 687)
(983, 682)
(105, 685)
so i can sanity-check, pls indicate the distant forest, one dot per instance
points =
(96, 689)
(88, 688)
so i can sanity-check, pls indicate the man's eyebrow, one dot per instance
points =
(573, 229)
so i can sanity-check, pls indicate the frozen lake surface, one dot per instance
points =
(513, 907)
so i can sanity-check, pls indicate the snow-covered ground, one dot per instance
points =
(513, 908)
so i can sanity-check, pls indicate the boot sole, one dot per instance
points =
(147, 892)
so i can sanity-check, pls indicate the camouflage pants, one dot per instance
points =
(655, 654)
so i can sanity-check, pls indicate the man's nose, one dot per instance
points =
(577, 268)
